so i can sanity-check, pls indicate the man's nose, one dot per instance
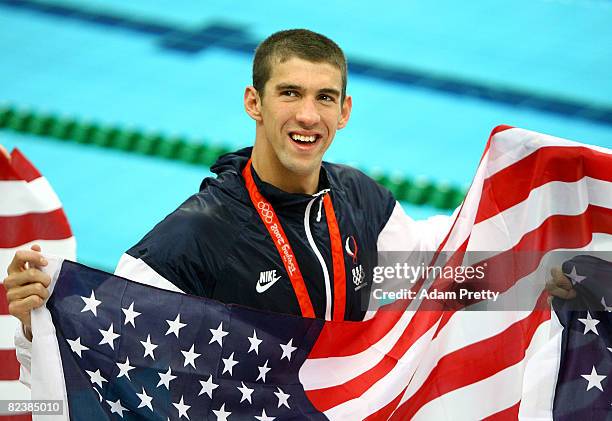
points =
(307, 113)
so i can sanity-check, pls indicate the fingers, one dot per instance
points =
(25, 258)
(28, 276)
(26, 285)
(25, 291)
(560, 279)
(560, 286)
(22, 309)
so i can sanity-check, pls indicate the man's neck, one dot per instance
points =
(276, 174)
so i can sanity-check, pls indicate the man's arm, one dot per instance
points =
(26, 289)
(402, 233)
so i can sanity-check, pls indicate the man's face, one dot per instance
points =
(300, 112)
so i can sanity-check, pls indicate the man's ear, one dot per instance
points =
(345, 112)
(252, 103)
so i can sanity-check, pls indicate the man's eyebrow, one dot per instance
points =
(290, 86)
(287, 86)
(330, 91)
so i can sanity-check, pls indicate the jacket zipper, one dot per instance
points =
(328, 297)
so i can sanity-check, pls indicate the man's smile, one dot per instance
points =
(304, 140)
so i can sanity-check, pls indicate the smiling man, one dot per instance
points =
(279, 229)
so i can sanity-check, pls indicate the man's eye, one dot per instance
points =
(289, 93)
(326, 98)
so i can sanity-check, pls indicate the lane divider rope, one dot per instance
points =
(418, 191)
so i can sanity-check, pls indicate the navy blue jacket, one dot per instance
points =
(215, 244)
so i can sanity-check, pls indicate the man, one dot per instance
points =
(277, 229)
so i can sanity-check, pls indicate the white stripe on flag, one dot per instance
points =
(512, 145)
(20, 197)
(486, 397)
(13, 390)
(342, 369)
(504, 230)
(8, 325)
(383, 391)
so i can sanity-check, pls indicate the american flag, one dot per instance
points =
(583, 390)
(30, 212)
(532, 193)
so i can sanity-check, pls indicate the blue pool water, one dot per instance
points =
(62, 57)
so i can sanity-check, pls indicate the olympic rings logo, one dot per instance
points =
(265, 211)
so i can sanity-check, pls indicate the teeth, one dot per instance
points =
(303, 138)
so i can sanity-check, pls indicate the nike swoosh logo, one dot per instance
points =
(263, 288)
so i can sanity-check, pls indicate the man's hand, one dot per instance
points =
(26, 285)
(560, 286)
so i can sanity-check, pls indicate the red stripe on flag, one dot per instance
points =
(356, 336)
(9, 366)
(514, 183)
(19, 168)
(556, 232)
(3, 300)
(327, 398)
(475, 362)
(20, 417)
(18, 230)
(508, 414)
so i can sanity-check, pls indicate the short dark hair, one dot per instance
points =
(300, 43)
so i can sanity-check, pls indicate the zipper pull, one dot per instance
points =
(320, 206)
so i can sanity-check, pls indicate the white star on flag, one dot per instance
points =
(576, 279)
(76, 347)
(116, 407)
(124, 368)
(182, 408)
(208, 386)
(96, 377)
(145, 400)
(130, 315)
(221, 413)
(594, 380)
(175, 325)
(288, 349)
(108, 336)
(149, 347)
(605, 306)
(218, 334)
(263, 370)
(91, 304)
(264, 416)
(228, 364)
(166, 378)
(282, 397)
(190, 357)
(589, 324)
(246, 393)
(255, 342)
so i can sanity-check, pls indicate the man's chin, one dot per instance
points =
(303, 168)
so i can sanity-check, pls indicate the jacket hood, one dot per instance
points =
(231, 164)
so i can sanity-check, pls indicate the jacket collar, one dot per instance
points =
(234, 162)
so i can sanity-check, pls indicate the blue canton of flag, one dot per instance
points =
(584, 386)
(130, 351)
